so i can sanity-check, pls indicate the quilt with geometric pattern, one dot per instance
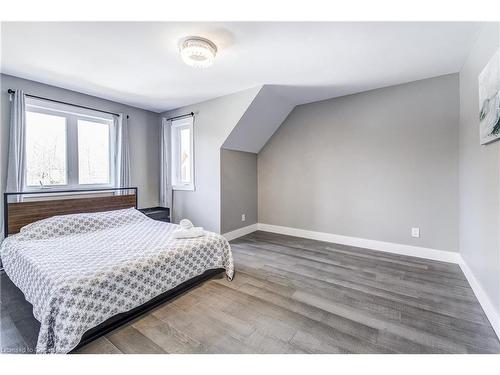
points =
(79, 270)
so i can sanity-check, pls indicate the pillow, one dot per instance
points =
(62, 225)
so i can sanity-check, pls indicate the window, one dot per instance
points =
(67, 147)
(93, 152)
(182, 154)
(45, 149)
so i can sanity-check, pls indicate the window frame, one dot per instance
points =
(72, 115)
(175, 128)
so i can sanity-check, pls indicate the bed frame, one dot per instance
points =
(19, 214)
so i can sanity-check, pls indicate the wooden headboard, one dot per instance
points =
(19, 214)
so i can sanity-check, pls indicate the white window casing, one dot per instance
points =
(72, 115)
(182, 154)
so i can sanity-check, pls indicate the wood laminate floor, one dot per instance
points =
(293, 295)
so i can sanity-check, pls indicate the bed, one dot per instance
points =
(82, 270)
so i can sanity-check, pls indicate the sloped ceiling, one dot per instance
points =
(259, 122)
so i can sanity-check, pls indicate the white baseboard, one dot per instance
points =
(390, 247)
(240, 232)
(485, 302)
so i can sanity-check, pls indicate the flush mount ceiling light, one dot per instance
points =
(198, 52)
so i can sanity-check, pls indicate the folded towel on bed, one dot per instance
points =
(186, 224)
(188, 233)
(187, 230)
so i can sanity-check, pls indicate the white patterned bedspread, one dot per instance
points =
(79, 270)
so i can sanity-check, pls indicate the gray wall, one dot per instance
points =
(370, 165)
(238, 189)
(479, 175)
(214, 120)
(143, 132)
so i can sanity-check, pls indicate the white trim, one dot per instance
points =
(36, 104)
(175, 127)
(72, 119)
(390, 247)
(240, 232)
(485, 302)
(188, 187)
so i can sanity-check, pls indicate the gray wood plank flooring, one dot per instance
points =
(293, 295)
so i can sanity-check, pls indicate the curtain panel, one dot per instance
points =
(122, 155)
(165, 184)
(16, 178)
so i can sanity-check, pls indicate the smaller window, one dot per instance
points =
(182, 154)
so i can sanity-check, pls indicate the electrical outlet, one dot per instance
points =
(415, 232)
(243, 217)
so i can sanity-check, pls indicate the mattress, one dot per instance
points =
(79, 270)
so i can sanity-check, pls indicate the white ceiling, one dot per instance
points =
(138, 63)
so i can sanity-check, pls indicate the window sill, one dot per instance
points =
(183, 187)
(59, 191)
(84, 188)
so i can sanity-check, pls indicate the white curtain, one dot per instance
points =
(165, 187)
(122, 161)
(17, 154)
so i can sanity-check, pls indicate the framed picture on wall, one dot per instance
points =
(489, 101)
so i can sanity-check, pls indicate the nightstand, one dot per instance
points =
(157, 213)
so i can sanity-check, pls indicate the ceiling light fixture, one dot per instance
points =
(198, 52)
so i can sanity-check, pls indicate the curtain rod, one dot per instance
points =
(10, 91)
(180, 116)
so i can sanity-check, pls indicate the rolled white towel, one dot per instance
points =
(186, 224)
(188, 233)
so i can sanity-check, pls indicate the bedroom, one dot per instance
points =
(177, 187)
